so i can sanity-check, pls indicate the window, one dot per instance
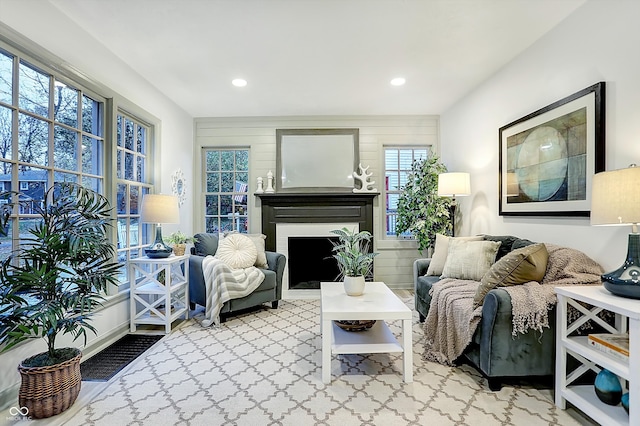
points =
(227, 186)
(50, 131)
(397, 166)
(133, 145)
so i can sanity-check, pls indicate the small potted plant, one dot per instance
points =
(179, 242)
(355, 258)
(51, 285)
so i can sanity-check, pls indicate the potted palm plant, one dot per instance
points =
(179, 241)
(50, 286)
(354, 257)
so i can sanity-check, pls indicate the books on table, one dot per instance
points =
(616, 345)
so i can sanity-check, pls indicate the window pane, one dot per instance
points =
(227, 182)
(227, 160)
(128, 166)
(134, 229)
(226, 224)
(119, 173)
(139, 169)
(65, 154)
(121, 205)
(65, 104)
(404, 178)
(33, 90)
(225, 204)
(244, 178)
(392, 203)
(134, 196)
(213, 160)
(6, 78)
(128, 134)
(5, 133)
(391, 158)
(92, 154)
(119, 130)
(212, 225)
(122, 233)
(5, 242)
(91, 116)
(65, 177)
(213, 182)
(406, 159)
(392, 181)
(242, 160)
(37, 182)
(33, 140)
(92, 183)
(140, 140)
(211, 207)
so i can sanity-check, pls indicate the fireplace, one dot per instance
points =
(299, 226)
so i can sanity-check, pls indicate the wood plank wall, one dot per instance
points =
(394, 264)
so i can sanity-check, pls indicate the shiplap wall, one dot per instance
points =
(394, 264)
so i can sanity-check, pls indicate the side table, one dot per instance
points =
(159, 290)
(583, 397)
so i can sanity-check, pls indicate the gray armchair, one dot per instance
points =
(269, 291)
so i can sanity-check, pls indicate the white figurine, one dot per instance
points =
(269, 189)
(259, 190)
(365, 184)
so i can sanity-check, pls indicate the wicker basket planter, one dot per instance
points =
(47, 391)
(179, 249)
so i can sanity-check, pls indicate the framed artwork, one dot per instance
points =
(548, 158)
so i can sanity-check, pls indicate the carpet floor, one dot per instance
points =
(109, 361)
(264, 368)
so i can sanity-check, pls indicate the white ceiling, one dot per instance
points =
(316, 57)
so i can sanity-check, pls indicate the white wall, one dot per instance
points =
(596, 43)
(394, 264)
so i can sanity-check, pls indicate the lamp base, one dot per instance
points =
(159, 250)
(625, 281)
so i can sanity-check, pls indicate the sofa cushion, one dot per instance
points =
(469, 260)
(522, 265)
(521, 242)
(441, 251)
(205, 244)
(506, 241)
(237, 251)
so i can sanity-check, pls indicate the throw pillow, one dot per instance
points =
(439, 257)
(469, 260)
(258, 240)
(206, 244)
(506, 241)
(237, 251)
(518, 267)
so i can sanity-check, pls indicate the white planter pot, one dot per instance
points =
(354, 286)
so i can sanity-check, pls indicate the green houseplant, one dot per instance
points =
(51, 285)
(178, 241)
(421, 211)
(355, 258)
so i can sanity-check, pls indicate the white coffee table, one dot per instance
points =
(377, 302)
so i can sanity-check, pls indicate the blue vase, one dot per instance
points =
(625, 402)
(608, 388)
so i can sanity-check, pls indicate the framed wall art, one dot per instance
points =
(548, 158)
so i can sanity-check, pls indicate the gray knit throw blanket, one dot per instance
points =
(452, 321)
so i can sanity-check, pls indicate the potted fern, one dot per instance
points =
(50, 286)
(179, 241)
(355, 258)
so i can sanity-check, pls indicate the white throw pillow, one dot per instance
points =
(258, 240)
(439, 258)
(470, 260)
(237, 251)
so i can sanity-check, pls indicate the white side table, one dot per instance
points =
(583, 397)
(159, 290)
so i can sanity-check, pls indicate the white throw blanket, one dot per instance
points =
(223, 284)
(451, 320)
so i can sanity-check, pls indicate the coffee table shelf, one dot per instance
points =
(378, 302)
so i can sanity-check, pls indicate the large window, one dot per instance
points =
(50, 131)
(227, 186)
(133, 143)
(397, 166)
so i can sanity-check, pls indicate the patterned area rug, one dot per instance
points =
(264, 368)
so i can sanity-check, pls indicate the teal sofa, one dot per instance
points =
(493, 351)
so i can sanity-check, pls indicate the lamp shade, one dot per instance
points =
(454, 184)
(157, 208)
(615, 199)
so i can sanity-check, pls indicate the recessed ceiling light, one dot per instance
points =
(239, 82)
(398, 81)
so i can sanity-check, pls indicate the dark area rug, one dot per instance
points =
(108, 362)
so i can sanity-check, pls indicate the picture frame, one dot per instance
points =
(547, 159)
(316, 160)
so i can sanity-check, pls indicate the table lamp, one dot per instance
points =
(159, 209)
(454, 185)
(615, 201)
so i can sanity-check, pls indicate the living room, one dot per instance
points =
(592, 43)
